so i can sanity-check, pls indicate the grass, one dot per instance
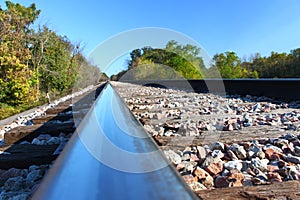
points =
(9, 110)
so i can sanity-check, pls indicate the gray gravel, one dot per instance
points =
(175, 113)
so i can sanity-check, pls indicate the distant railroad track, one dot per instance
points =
(282, 89)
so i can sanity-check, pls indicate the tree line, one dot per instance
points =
(148, 62)
(37, 61)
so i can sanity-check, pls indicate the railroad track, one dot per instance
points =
(29, 151)
(110, 156)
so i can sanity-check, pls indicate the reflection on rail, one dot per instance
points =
(111, 157)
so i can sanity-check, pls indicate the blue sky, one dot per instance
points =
(242, 26)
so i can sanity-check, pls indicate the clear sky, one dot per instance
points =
(242, 26)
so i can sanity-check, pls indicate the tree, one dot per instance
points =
(189, 53)
(230, 66)
(39, 42)
(56, 63)
(185, 60)
(16, 82)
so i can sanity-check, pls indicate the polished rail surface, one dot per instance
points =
(110, 156)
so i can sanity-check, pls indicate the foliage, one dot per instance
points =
(171, 62)
(15, 74)
(277, 65)
(7, 110)
(185, 60)
(229, 66)
(59, 64)
(36, 62)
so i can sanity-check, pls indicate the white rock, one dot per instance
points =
(269, 146)
(217, 154)
(173, 157)
(238, 150)
(218, 146)
(2, 132)
(235, 164)
(260, 164)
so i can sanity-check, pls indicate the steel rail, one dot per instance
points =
(110, 156)
(281, 89)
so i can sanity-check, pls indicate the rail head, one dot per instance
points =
(111, 156)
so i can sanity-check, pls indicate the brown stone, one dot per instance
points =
(204, 177)
(284, 190)
(215, 168)
(193, 157)
(249, 171)
(189, 178)
(246, 145)
(269, 152)
(196, 186)
(208, 182)
(201, 152)
(236, 179)
(276, 156)
(232, 155)
(272, 168)
(180, 166)
(274, 177)
(221, 182)
(200, 173)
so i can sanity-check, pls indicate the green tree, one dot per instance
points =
(185, 60)
(230, 66)
(56, 64)
(16, 82)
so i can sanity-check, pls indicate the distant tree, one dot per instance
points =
(277, 65)
(230, 66)
(294, 63)
(134, 55)
(186, 61)
(183, 59)
(103, 77)
(188, 52)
